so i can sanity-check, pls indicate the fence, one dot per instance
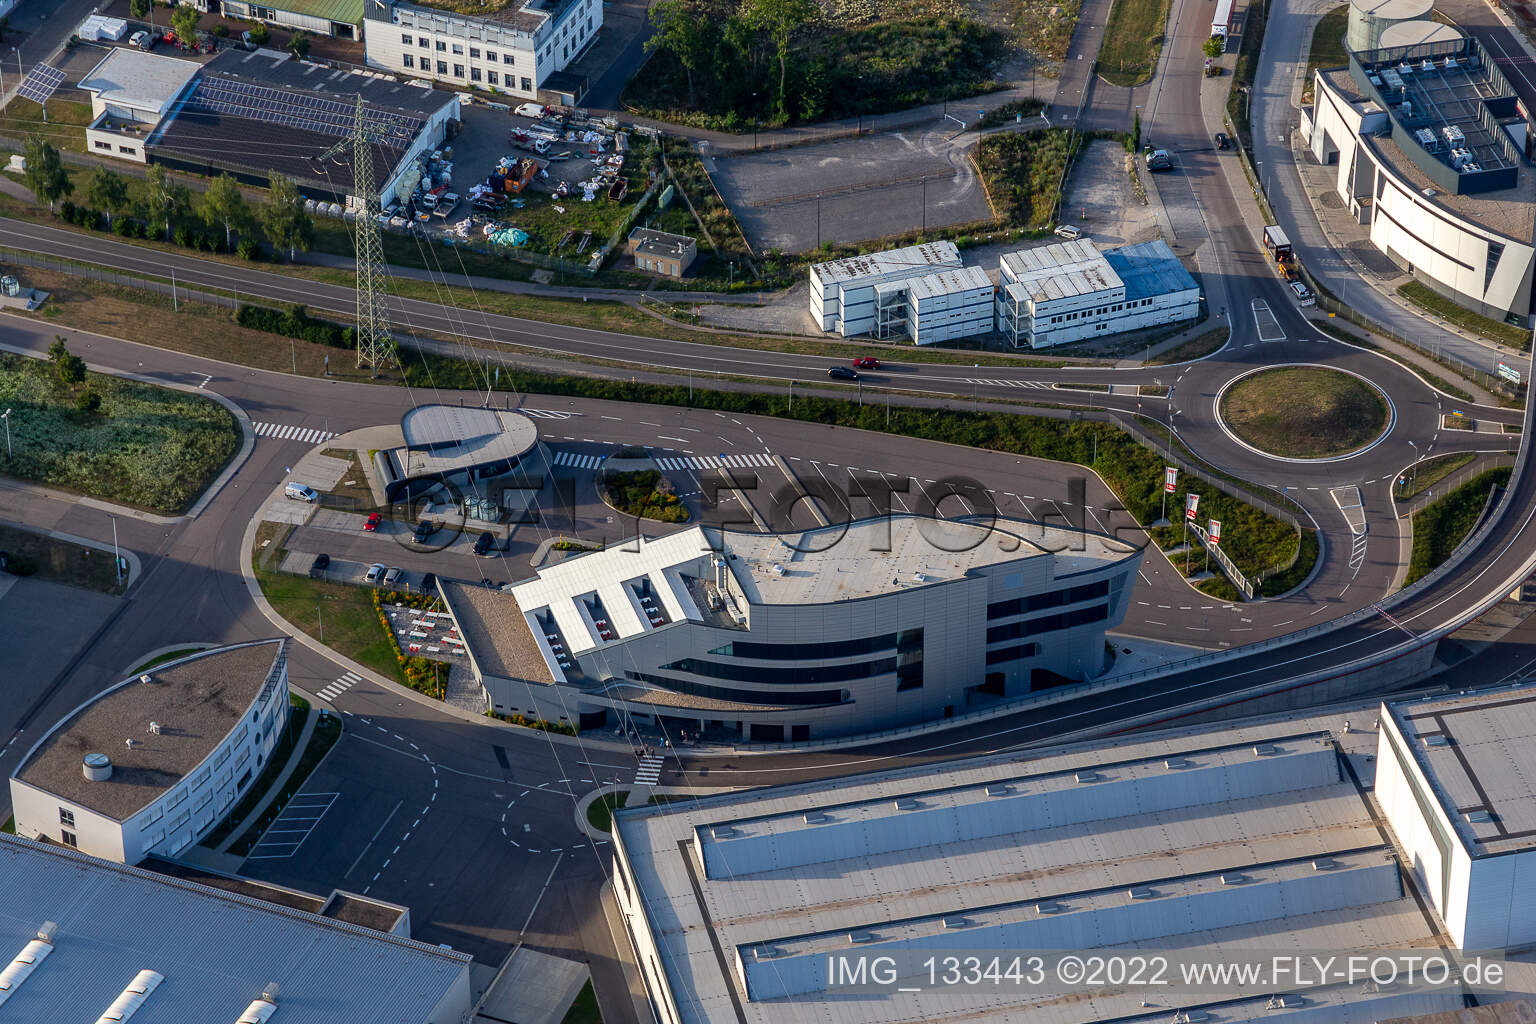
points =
(1477, 467)
(176, 293)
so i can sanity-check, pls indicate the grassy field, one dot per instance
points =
(1425, 298)
(1022, 174)
(146, 446)
(1429, 473)
(344, 614)
(1133, 41)
(64, 129)
(1441, 526)
(48, 558)
(1327, 46)
(600, 811)
(584, 1010)
(1304, 412)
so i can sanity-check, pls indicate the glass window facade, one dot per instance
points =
(796, 697)
(1047, 623)
(1049, 599)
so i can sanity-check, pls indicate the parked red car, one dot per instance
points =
(867, 363)
(373, 522)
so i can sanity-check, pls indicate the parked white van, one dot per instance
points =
(301, 492)
(1069, 232)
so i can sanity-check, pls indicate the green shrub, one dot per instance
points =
(295, 322)
(259, 34)
(184, 237)
(88, 401)
(248, 249)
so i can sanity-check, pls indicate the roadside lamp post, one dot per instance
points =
(7, 417)
(818, 220)
(117, 558)
(1415, 448)
(925, 205)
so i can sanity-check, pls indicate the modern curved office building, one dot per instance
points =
(150, 765)
(794, 637)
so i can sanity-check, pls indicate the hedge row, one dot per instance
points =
(295, 322)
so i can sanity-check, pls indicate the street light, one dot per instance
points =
(818, 220)
(117, 558)
(7, 417)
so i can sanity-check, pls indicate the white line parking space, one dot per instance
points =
(293, 826)
(1269, 327)
(286, 432)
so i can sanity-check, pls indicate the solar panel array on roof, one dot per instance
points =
(305, 111)
(41, 82)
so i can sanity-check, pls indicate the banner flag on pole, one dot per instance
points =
(1215, 533)
(1171, 479)
(1191, 502)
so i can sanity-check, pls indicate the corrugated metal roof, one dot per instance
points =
(948, 282)
(349, 12)
(912, 260)
(1149, 269)
(217, 950)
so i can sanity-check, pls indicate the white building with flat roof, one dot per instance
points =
(843, 292)
(131, 91)
(150, 765)
(515, 48)
(826, 632)
(1200, 844)
(936, 307)
(83, 939)
(1071, 291)
(1456, 778)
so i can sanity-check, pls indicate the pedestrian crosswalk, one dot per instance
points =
(1010, 383)
(548, 414)
(577, 460)
(339, 687)
(649, 772)
(282, 432)
(744, 461)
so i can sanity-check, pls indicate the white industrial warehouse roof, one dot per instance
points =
(216, 950)
(129, 77)
(1479, 754)
(1060, 270)
(821, 566)
(914, 259)
(949, 282)
(964, 855)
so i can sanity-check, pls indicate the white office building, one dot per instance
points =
(131, 91)
(1071, 291)
(799, 636)
(150, 765)
(1455, 778)
(936, 307)
(514, 51)
(843, 292)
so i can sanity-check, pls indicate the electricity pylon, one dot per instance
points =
(375, 341)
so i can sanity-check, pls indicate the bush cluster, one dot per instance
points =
(423, 675)
(1022, 171)
(643, 493)
(563, 728)
(295, 322)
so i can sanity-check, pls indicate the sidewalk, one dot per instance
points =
(294, 756)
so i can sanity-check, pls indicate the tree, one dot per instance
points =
(684, 30)
(1214, 47)
(224, 204)
(67, 367)
(780, 19)
(88, 401)
(184, 21)
(299, 45)
(167, 199)
(106, 189)
(283, 217)
(139, 9)
(45, 173)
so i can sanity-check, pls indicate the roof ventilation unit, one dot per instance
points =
(957, 922)
(998, 789)
(25, 962)
(1176, 762)
(1141, 892)
(146, 678)
(1323, 864)
(1233, 878)
(97, 767)
(126, 1005)
(906, 804)
(817, 818)
(1048, 908)
(860, 937)
(259, 1012)
(1265, 750)
(154, 727)
(722, 832)
(1479, 817)
(1087, 776)
(1437, 739)
(764, 952)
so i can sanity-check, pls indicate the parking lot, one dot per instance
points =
(293, 826)
(868, 186)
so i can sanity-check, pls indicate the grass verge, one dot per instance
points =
(263, 782)
(1133, 41)
(1428, 299)
(145, 446)
(31, 553)
(1434, 380)
(339, 615)
(1304, 412)
(1439, 527)
(327, 732)
(1327, 46)
(1195, 348)
(584, 1009)
(600, 811)
(9, 828)
(1429, 473)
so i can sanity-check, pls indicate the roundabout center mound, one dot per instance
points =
(1304, 412)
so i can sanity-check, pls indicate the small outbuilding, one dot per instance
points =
(661, 252)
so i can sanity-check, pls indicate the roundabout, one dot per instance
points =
(1304, 412)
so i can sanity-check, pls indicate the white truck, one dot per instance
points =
(1221, 21)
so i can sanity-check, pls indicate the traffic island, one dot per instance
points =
(1304, 413)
